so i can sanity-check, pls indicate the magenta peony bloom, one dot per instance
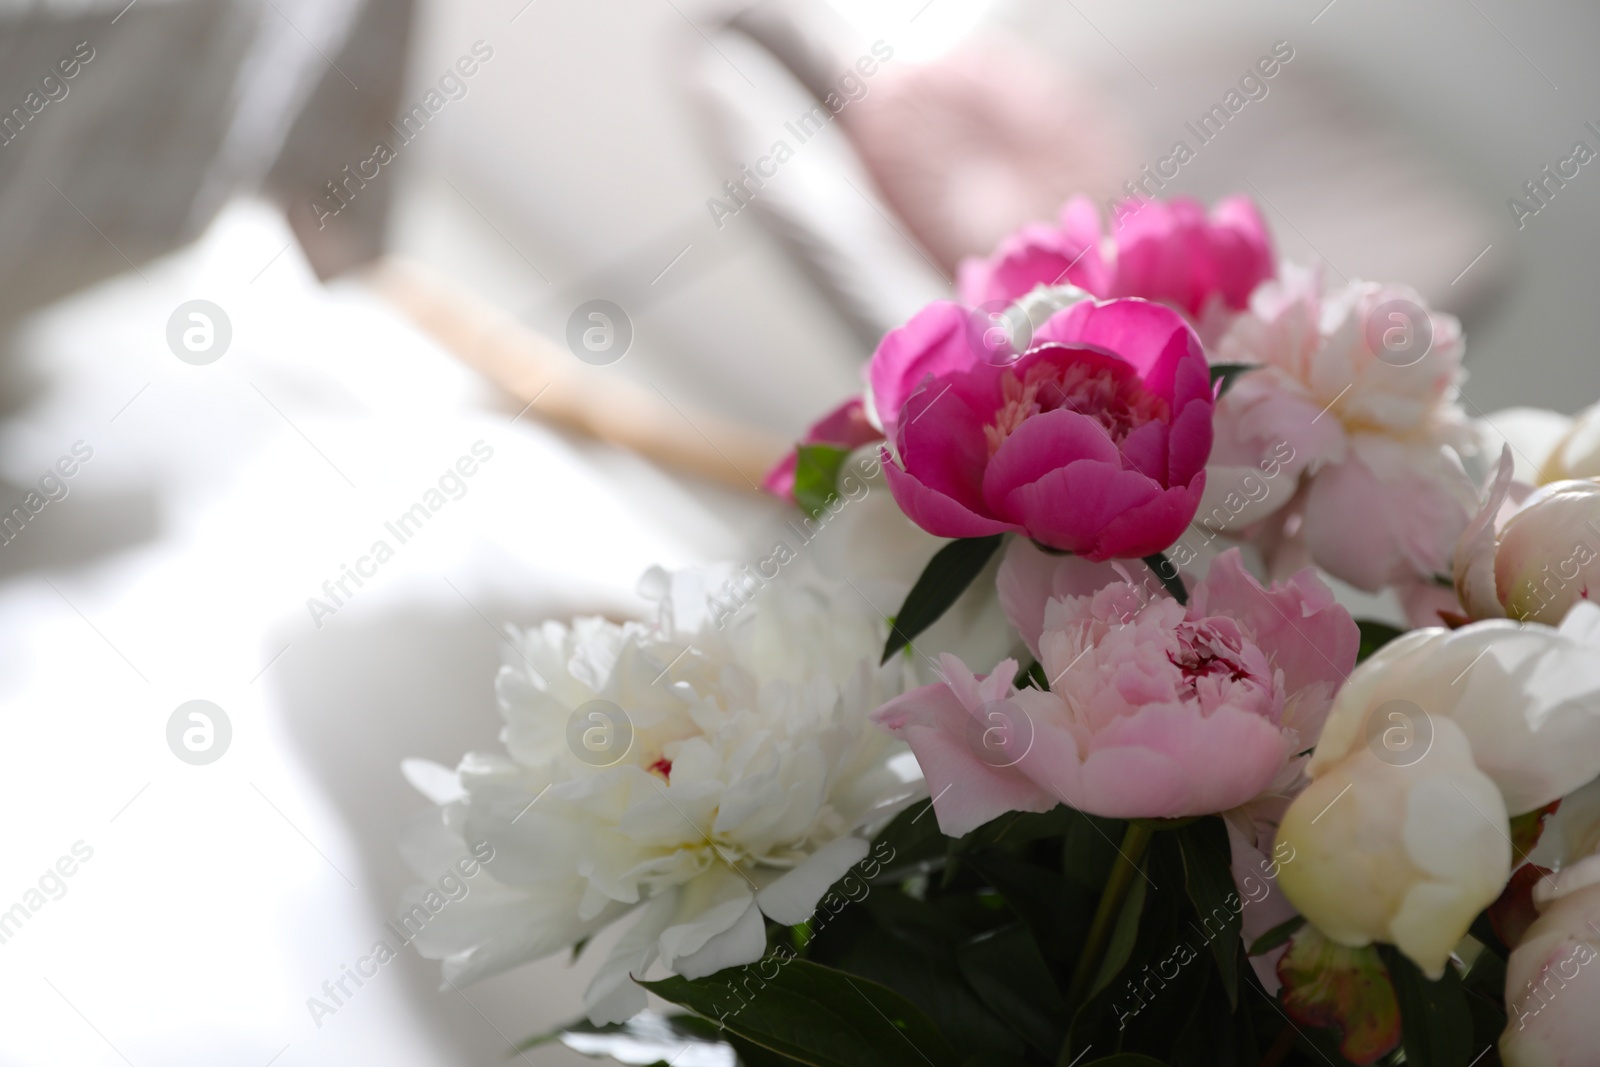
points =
(845, 427)
(1155, 710)
(1095, 441)
(1169, 251)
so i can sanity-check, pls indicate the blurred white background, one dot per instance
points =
(577, 165)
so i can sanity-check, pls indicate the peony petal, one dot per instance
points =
(1373, 528)
(1241, 249)
(1035, 255)
(1029, 577)
(1153, 526)
(792, 899)
(613, 996)
(934, 511)
(1251, 747)
(942, 444)
(1299, 625)
(967, 792)
(1151, 338)
(932, 344)
(744, 942)
(1474, 554)
(1072, 507)
(1043, 443)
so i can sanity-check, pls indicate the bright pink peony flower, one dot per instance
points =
(1095, 441)
(846, 427)
(1155, 710)
(1169, 251)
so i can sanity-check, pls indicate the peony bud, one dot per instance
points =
(1553, 977)
(1547, 555)
(1525, 696)
(1434, 739)
(1406, 850)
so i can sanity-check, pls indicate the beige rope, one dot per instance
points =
(601, 404)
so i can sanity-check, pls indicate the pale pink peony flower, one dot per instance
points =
(1155, 710)
(1373, 425)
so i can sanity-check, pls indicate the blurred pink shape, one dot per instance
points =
(970, 146)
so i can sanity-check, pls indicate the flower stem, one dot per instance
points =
(1134, 842)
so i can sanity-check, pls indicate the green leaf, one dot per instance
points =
(1089, 850)
(1143, 1006)
(945, 578)
(1436, 1024)
(1228, 373)
(1055, 910)
(1123, 936)
(1007, 971)
(753, 1055)
(914, 840)
(1031, 675)
(1276, 936)
(1374, 635)
(899, 949)
(1018, 827)
(1166, 573)
(1208, 879)
(816, 1015)
(816, 475)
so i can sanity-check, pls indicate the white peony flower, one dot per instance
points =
(1553, 976)
(746, 781)
(1549, 446)
(1401, 853)
(1403, 835)
(1526, 697)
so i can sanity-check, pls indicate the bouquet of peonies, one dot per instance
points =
(1066, 752)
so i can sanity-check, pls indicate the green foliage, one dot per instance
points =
(962, 953)
(1209, 882)
(1374, 635)
(1223, 375)
(1166, 573)
(1436, 1023)
(816, 475)
(942, 582)
(817, 1015)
